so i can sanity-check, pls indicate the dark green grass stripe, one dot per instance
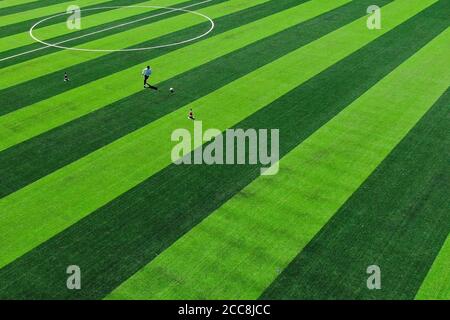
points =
(117, 240)
(398, 220)
(49, 85)
(93, 37)
(24, 26)
(61, 146)
(28, 6)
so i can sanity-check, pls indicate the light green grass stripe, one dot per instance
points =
(10, 3)
(44, 208)
(42, 116)
(436, 285)
(93, 20)
(122, 39)
(238, 251)
(44, 11)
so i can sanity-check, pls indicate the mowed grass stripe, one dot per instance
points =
(12, 3)
(9, 3)
(92, 185)
(169, 204)
(25, 25)
(124, 39)
(237, 251)
(42, 116)
(8, 7)
(436, 285)
(18, 56)
(61, 146)
(24, 42)
(14, 6)
(307, 13)
(42, 12)
(398, 219)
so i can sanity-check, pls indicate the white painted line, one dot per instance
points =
(57, 45)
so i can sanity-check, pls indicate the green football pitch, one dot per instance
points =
(87, 178)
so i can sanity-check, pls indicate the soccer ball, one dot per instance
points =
(171, 90)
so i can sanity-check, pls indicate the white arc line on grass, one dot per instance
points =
(56, 45)
(124, 24)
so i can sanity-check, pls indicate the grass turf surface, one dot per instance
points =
(242, 58)
(124, 38)
(318, 176)
(48, 85)
(103, 175)
(61, 146)
(41, 12)
(127, 231)
(18, 5)
(437, 283)
(123, 150)
(55, 30)
(397, 220)
(25, 25)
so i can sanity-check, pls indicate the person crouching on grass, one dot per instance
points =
(191, 115)
(146, 73)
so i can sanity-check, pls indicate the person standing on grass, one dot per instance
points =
(66, 77)
(146, 73)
